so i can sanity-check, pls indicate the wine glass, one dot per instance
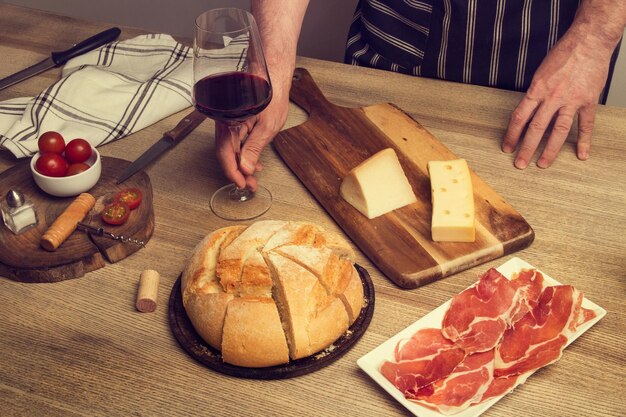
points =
(231, 83)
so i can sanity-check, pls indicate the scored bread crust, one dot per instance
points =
(253, 334)
(272, 291)
(203, 298)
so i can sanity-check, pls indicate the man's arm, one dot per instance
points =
(279, 23)
(569, 80)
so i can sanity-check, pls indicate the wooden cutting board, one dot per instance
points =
(335, 139)
(21, 257)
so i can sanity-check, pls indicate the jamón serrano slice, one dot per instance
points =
(463, 387)
(423, 359)
(538, 339)
(479, 315)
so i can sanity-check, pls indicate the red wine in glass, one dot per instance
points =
(232, 96)
(231, 84)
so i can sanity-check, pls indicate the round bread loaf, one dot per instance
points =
(272, 291)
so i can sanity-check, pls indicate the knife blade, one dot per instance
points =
(169, 139)
(59, 58)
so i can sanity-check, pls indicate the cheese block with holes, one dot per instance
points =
(271, 292)
(453, 201)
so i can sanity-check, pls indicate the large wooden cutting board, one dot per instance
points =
(335, 139)
(21, 257)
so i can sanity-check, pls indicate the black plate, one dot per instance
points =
(198, 349)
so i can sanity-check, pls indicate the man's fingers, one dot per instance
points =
(251, 151)
(226, 155)
(558, 135)
(536, 128)
(586, 121)
(251, 183)
(519, 118)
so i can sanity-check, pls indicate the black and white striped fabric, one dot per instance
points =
(497, 43)
(104, 95)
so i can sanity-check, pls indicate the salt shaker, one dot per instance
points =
(17, 213)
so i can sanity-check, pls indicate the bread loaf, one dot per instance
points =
(271, 292)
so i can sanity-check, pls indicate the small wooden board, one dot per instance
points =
(198, 349)
(21, 257)
(335, 139)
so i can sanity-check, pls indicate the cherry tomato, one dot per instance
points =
(51, 165)
(115, 213)
(77, 150)
(77, 168)
(130, 196)
(51, 142)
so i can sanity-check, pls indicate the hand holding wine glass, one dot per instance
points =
(231, 84)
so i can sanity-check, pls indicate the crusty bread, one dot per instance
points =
(202, 294)
(253, 335)
(335, 273)
(272, 291)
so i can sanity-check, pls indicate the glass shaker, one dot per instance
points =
(18, 214)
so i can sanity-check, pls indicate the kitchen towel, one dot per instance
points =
(103, 95)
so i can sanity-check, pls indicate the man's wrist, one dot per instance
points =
(599, 24)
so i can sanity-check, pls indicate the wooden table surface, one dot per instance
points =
(79, 347)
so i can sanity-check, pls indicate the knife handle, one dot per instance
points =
(87, 45)
(185, 126)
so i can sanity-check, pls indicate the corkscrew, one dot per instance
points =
(99, 231)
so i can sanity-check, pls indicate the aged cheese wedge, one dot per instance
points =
(378, 185)
(453, 201)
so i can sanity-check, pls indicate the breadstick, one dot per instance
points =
(148, 291)
(66, 223)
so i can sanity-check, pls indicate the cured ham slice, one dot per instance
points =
(538, 339)
(529, 284)
(423, 359)
(493, 336)
(478, 316)
(503, 385)
(463, 387)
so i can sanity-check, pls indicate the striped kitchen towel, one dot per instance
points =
(103, 95)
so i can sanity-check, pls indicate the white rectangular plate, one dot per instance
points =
(371, 362)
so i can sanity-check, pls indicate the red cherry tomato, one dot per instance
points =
(130, 196)
(51, 142)
(115, 213)
(51, 165)
(77, 150)
(77, 168)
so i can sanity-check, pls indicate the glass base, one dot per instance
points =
(232, 203)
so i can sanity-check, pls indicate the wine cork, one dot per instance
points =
(66, 223)
(148, 291)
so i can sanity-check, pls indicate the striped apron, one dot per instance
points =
(496, 43)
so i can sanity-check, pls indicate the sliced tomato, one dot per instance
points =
(115, 213)
(130, 196)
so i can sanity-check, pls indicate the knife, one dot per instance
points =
(59, 58)
(169, 139)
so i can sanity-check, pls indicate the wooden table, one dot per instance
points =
(80, 347)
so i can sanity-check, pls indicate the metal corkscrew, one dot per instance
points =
(99, 231)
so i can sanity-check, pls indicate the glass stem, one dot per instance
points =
(238, 194)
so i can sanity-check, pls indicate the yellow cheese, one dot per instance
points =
(378, 185)
(453, 201)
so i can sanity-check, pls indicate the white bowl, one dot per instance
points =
(72, 185)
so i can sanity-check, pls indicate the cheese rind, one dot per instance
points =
(378, 185)
(452, 201)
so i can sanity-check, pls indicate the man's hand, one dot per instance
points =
(279, 24)
(568, 82)
(256, 132)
